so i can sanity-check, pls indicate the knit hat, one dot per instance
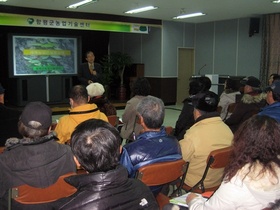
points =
(95, 89)
(38, 112)
(274, 87)
(206, 101)
(2, 90)
(251, 81)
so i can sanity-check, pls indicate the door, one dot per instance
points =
(185, 71)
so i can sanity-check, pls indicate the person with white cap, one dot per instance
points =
(273, 100)
(36, 159)
(96, 92)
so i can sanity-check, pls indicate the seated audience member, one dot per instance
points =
(8, 121)
(251, 103)
(273, 100)
(130, 129)
(36, 159)
(96, 91)
(186, 120)
(96, 147)
(227, 97)
(153, 144)
(207, 134)
(80, 111)
(273, 78)
(251, 180)
(206, 82)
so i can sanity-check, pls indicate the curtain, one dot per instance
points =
(270, 55)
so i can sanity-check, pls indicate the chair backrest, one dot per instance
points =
(113, 120)
(26, 194)
(218, 158)
(162, 173)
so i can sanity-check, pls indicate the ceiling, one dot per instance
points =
(215, 10)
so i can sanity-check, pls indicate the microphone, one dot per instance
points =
(201, 68)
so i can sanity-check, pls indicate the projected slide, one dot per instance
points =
(36, 55)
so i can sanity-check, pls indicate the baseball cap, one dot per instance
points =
(251, 81)
(39, 112)
(2, 90)
(206, 101)
(274, 87)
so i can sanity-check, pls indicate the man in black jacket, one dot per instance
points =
(96, 148)
(36, 159)
(89, 71)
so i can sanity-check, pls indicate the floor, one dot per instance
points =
(172, 113)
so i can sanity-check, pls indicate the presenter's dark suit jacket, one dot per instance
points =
(85, 75)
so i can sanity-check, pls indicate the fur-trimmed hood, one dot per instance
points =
(11, 142)
(251, 98)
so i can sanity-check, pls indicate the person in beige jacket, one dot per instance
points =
(207, 134)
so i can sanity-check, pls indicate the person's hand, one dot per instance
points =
(89, 81)
(94, 72)
(190, 197)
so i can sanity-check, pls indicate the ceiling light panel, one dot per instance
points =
(81, 3)
(142, 9)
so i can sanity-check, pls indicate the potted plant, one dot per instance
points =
(116, 63)
(119, 62)
(107, 74)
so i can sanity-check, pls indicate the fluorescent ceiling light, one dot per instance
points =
(276, 1)
(142, 9)
(76, 5)
(189, 15)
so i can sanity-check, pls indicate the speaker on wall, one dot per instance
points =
(254, 26)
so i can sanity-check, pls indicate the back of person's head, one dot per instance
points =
(257, 139)
(253, 82)
(206, 82)
(141, 87)
(95, 89)
(96, 145)
(206, 102)
(231, 86)
(195, 86)
(79, 94)
(275, 89)
(35, 120)
(152, 110)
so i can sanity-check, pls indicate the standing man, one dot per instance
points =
(89, 71)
